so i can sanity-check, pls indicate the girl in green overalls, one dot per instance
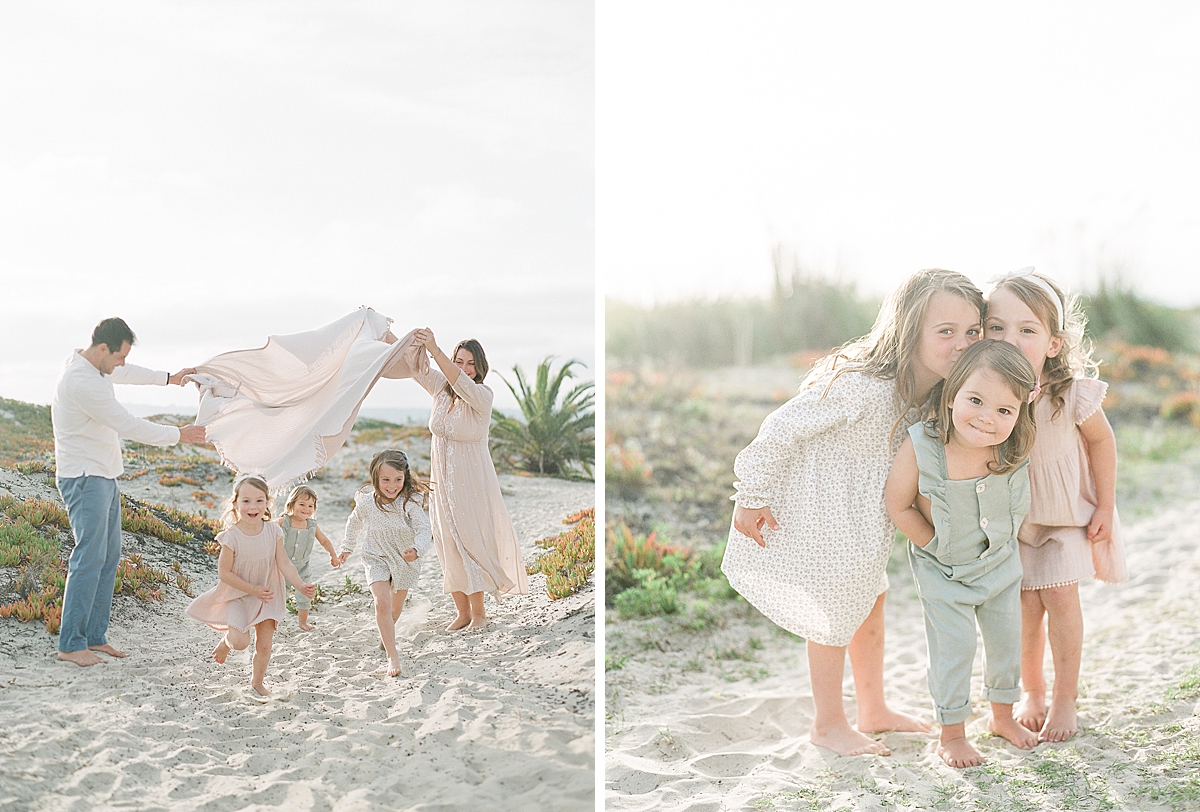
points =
(299, 532)
(958, 490)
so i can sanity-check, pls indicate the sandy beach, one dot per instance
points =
(502, 719)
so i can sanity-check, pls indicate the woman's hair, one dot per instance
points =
(1074, 360)
(889, 351)
(1015, 370)
(298, 492)
(481, 365)
(413, 486)
(230, 517)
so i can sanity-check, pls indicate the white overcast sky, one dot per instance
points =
(880, 138)
(216, 172)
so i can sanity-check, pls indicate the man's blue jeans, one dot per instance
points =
(94, 508)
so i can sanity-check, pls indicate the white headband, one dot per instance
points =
(1027, 273)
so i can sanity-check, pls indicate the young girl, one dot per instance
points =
(811, 539)
(299, 532)
(959, 489)
(392, 517)
(252, 569)
(1071, 531)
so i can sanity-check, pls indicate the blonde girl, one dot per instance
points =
(300, 530)
(252, 570)
(958, 490)
(811, 538)
(390, 516)
(1072, 530)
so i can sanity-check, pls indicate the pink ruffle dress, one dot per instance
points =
(224, 606)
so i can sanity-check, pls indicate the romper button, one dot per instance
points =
(979, 488)
(983, 523)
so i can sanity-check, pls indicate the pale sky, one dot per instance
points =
(216, 172)
(880, 138)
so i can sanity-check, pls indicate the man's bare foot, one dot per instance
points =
(307, 627)
(460, 622)
(846, 741)
(82, 658)
(1061, 722)
(890, 720)
(1009, 728)
(959, 753)
(109, 650)
(221, 651)
(1031, 710)
(393, 666)
(477, 623)
(260, 689)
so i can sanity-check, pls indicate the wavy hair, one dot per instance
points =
(230, 516)
(481, 365)
(1014, 369)
(1074, 360)
(413, 486)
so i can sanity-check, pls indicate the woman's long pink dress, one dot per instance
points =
(472, 532)
(225, 606)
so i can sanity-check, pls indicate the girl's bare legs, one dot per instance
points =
(382, 592)
(1031, 710)
(463, 607)
(478, 615)
(1065, 620)
(398, 605)
(302, 616)
(264, 633)
(830, 728)
(866, 662)
(233, 640)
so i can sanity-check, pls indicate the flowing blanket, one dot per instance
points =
(281, 411)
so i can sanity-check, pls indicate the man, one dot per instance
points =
(88, 426)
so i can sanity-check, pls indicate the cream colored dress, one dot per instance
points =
(386, 535)
(1055, 550)
(472, 532)
(820, 464)
(225, 606)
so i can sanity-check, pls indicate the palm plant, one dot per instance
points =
(556, 435)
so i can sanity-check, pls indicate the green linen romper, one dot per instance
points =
(970, 572)
(298, 544)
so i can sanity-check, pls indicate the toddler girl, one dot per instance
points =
(391, 516)
(252, 569)
(1071, 531)
(811, 538)
(958, 490)
(299, 532)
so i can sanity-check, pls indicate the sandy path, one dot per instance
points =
(503, 719)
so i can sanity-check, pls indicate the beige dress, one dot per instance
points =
(225, 606)
(1055, 550)
(819, 462)
(472, 532)
(386, 535)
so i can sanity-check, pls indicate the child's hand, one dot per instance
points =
(264, 594)
(409, 555)
(308, 590)
(342, 558)
(1100, 527)
(335, 561)
(750, 522)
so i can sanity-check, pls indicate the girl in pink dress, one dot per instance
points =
(472, 532)
(1072, 531)
(252, 568)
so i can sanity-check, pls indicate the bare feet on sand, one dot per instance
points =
(82, 658)
(109, 650)
(477, 623)
(958, 752)
(1008, 728)
(460, 622)
(846, 741)
(260, 689)
(221, 651)
(1031, 710)
(889, 720)
(1061, 722)
(307, 627)
(393, 666)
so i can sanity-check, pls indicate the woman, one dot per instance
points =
(472, 532)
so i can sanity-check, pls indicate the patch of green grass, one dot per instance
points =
(615, 663)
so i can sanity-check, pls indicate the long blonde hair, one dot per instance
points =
(230, 516)
(1014, 369)
(1074, 360)
(889, 351)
